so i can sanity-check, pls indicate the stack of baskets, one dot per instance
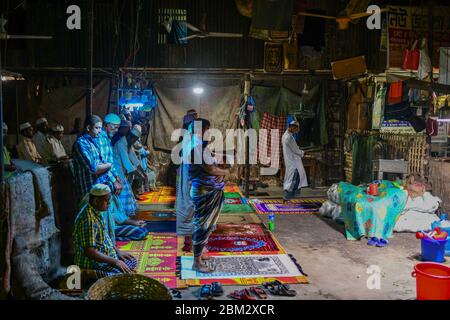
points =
(128, 287)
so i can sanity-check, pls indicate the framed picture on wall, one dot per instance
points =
(273, 57)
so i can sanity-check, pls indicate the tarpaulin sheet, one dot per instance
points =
(220, 105)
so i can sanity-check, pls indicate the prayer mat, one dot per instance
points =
(153, 242)
(162, 226)
(241, 243)
(162, 191)
(237, 208)
(232, 188)
(159, 265)
(238, 229)
(301, 206)
(233, 201)
(157, 207)
(158, 199)
(157, 216)
(232, 195)
(245, 270)
(239, 218)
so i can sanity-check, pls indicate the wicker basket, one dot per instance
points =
(128, 287)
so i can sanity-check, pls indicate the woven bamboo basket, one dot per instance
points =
(439, 180)
(410, 147)
(128, 287)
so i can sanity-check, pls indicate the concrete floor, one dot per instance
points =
(337, 268)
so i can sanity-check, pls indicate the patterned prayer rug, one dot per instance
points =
(162, 226)
(156, 216)
(164, 195)
(232, 195)
(157, 258)
(237, 208)
(154, 241)
(233, 201)
(242, 243)
(245, 270)
(232, 188)
(157, 207)
(239, 218)
(238, 229)
(159, 265)
(301, 206)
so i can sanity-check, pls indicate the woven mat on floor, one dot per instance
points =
(245, 270)
(157, 258)
(239, 239)
(239, 218)
(237, 208)
(300, 206)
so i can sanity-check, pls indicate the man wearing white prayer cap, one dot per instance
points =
(92, 243)
(26, 148)
(58, 151)
(295, 175)
(40, 139)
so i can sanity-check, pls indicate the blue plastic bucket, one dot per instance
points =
(433, 250)
(447, 246)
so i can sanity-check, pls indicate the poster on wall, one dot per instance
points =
(406, 24)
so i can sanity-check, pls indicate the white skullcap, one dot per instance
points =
(24, 126)
(294, 123)
(41, 120)
(100, 190)
(58, 128)
(138, 128)
(136, 132)
(5, 127)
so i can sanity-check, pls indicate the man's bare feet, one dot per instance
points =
(205, 256)
(202, 267)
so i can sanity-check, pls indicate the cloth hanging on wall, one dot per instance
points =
(444, 66)
(395, 92)
(220, 105)
(267, 143)
(378, 107)
(362, 155)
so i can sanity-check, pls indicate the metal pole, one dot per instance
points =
(247, 142)
(90, 58)
(2, 162)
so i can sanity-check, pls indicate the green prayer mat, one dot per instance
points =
(232, 195)
(237, 208)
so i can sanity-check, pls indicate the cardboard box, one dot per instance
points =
(349, 68)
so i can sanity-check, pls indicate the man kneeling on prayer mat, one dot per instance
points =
(94, 249)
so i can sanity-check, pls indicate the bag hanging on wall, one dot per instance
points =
(412, 57)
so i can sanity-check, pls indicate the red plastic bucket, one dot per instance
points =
(432, 281)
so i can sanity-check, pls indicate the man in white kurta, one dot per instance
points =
(40, 139)
(59, 153)
(295, 175)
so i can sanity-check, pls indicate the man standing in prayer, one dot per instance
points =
(40, 139)
(58, 151)
(89, 166)
(184, 206)
(10, 168)
(122, 228)
(295, 175)
(26, 149)
(125, 167)
(94, 248)
(207, 195)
